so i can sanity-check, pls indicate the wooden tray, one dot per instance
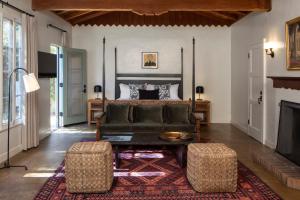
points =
(173, 136)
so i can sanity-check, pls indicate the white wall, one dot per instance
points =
(46, 36)
(249, 31)
(212, 58)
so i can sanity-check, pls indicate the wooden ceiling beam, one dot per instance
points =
(170, 18)
(62, 12)
(239, 13)
(89, 16)
(153, 6)
(76, 15)
(223, 16)
(214, 19)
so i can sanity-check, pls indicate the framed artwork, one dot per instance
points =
(292, 29)
(150, 60)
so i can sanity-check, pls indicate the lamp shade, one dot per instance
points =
(199, 89)
(30, 82)
(97, 88)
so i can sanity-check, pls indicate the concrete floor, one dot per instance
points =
(42, 161)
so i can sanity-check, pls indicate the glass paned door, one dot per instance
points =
(12, 48)
(8, 44)
(74, 86)
(19, 109)
(54, 96)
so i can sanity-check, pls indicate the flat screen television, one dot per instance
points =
(47, 64)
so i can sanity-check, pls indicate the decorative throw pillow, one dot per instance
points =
(148, 94)
(117, 113)
(134, 91)
(148, 113)
(174, 92)
(177, 113)
(164, 91)
(124, 91)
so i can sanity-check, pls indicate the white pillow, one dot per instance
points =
(174, 92)
(150, 87)
(124, 91)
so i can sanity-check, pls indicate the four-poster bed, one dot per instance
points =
(153, 79)
(148, 78)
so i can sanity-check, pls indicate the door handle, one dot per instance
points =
(260, 98)
(84, 88)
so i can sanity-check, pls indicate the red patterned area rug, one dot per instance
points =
(155, 175)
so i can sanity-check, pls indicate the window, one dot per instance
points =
(7, 62)
(12, 53)
(19, 83)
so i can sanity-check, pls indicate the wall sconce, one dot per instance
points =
(269, 46)
(270, 52)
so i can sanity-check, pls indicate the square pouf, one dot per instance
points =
(89, 167)
(212, 167)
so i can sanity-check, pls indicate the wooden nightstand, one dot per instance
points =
(203, 107)
(94, 106)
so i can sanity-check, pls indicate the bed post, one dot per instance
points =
(196, 115)
(103, 76)
(98, 119)
(116, 72)
(182, 72)
(193, 84)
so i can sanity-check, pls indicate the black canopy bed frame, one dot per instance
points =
(155, 79)
(149, 78)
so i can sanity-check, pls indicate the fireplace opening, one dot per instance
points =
(288, 142)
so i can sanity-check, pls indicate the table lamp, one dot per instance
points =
(199, 90)
(97, 90)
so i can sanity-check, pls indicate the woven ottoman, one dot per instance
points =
(89, 167)
(212, 167)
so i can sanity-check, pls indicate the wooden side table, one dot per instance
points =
(94, 106)
(203, 108)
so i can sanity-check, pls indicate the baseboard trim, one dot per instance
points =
(13, 151)
(240, 127)
(270, 144)
(43, 133)
(43, 136)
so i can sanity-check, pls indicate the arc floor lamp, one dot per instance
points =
(31, 84)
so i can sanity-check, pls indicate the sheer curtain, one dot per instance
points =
(31, 130)
(64, 39)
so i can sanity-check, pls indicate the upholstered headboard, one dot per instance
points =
(150, 78)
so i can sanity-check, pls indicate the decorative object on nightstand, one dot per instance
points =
(199, 90)
(97, 90)
(94, 107)
(31, 84)
(203, 107)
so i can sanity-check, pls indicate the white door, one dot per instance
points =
(74, 86)
(256, 77)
